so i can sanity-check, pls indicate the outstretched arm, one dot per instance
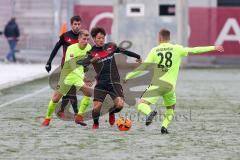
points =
(199, 50)
(129, 53)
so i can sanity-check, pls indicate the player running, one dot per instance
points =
(71, 75)
(108, 79)
(165, 59)
(67, 39)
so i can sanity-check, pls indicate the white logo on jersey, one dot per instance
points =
(105, 59)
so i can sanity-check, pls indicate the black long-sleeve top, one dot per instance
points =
(105, 66)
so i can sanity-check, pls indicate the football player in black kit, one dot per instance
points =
(101, 56)
(66, 39)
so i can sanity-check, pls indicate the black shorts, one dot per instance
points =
(113, 89)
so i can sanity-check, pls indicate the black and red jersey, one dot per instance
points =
(105, 66)
(66, 39)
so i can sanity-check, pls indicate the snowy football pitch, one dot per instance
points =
(206, 124)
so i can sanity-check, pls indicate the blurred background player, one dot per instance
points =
(108, 79)
(166, 60)
(11, 32)
(66, 39)
(71, 75)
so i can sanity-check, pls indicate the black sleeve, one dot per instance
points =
(17, 31)
(55, 49)
(86, 61)
(128, 53)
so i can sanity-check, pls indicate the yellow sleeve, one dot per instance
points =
(184, 51)
(199, 50)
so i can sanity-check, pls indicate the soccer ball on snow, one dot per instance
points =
(124, 124)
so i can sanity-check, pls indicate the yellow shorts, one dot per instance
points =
(165, 90)
(65, 84)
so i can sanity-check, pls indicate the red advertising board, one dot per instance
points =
(95, 16)
(220, 26)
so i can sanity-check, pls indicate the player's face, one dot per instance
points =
(83, 40)
(99, 39)
(76, 26)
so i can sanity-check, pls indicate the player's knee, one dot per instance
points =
(119, 102)
(96, 107)
(119, 105)
(56, 98)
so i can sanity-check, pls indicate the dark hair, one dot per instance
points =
(76, 18)
(97, 30)
(165, 34)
